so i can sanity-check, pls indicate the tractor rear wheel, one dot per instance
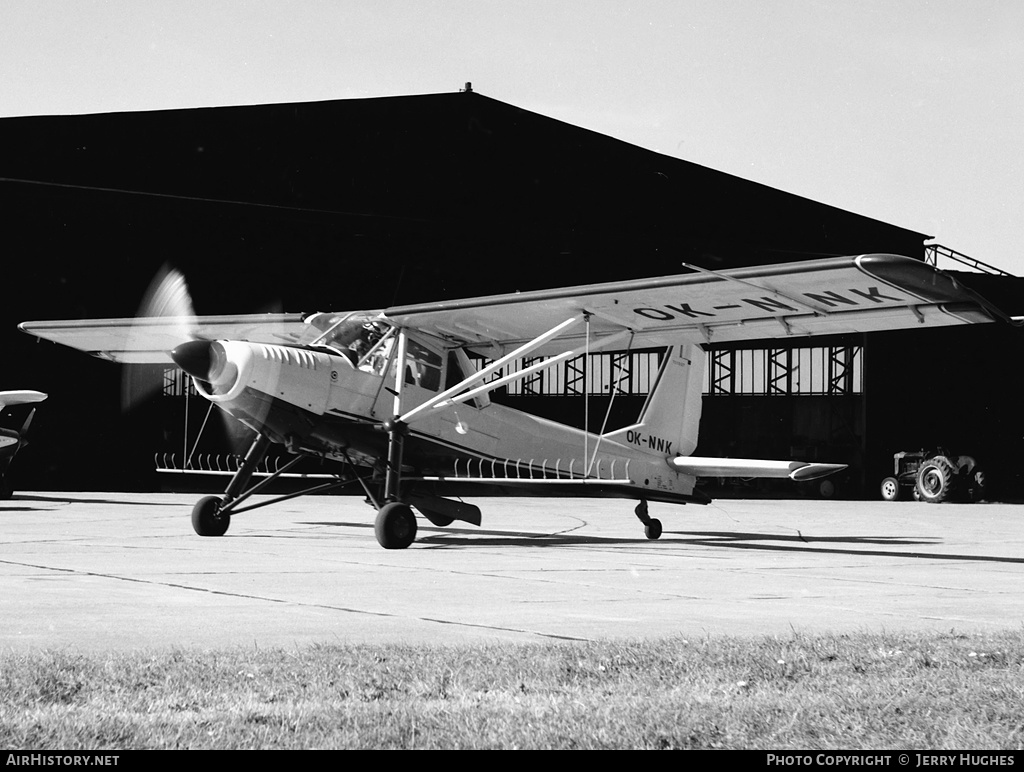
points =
(935, 479)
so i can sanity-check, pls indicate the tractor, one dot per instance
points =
(934, 476)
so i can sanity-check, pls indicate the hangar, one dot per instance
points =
(366, 203)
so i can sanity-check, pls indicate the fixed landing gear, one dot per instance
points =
(395, 526)
(208, 519)
(652, 526)
(211, 514)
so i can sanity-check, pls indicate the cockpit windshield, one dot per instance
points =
(362, 336)
(368, 341)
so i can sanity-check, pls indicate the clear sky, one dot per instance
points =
(908, 111)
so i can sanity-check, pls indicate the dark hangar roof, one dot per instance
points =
(407, 198)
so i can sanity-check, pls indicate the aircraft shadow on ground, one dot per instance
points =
(454, 538)
(458, 538)
(747, 541)
(13, 503)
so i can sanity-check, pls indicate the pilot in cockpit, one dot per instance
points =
(369, 336)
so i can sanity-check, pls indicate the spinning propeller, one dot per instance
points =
(169, 300)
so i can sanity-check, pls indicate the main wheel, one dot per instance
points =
(653, 529)
(395, 527)
(891, 489)
(935, 479)
(207, 519)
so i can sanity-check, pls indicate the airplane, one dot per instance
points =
(12, 441)
(325, 385)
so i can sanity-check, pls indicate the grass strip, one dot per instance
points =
(863, 691)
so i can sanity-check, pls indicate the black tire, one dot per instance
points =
(891, 489)
(207, 519)
(653, 529)
(6, 489)
(395, 527)
(935, 480)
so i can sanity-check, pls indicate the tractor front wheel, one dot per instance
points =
(890, 489)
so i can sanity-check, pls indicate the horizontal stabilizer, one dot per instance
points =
(752, 467)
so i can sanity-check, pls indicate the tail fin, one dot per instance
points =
(670, 420)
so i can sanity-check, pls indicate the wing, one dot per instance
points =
(148, 340)
(816, 297)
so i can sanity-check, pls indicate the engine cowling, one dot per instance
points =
(223, 370)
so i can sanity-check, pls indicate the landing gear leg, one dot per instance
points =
(652, 526)
(211, 515)
(395, 526)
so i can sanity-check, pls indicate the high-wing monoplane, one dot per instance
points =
(12, 441)
(394, 397)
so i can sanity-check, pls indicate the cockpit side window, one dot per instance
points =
(459, 368)
(422, 366)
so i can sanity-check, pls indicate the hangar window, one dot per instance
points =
(176, 383)
(811, 371)
(627, 372)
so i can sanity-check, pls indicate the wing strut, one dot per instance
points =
(396, 427)
(615, 389)
(520, 374)
(494, 366)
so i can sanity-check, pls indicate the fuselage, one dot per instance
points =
(323, 403)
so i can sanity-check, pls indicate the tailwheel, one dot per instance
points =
(652, 526)
(208, 519)
(395, 527)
